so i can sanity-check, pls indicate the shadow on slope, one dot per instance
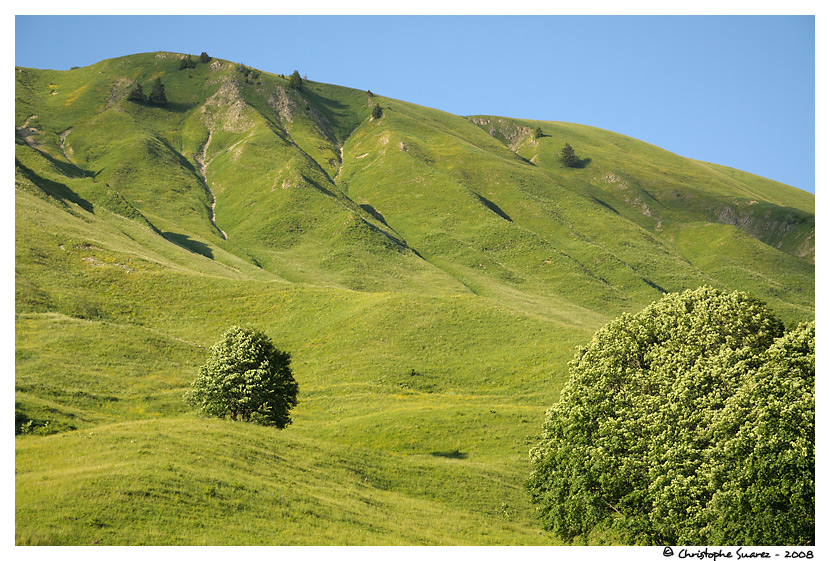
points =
(189, 244)
(53, 189)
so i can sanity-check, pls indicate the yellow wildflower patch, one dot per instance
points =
(76, 94)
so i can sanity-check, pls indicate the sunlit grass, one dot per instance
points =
(155, 482)
(431, 276)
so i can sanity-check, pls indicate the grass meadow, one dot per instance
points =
(431, 276)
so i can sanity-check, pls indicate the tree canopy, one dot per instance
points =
(246, 378)
(187, 62)
(690, 422)
(294, 81)
(137, 94)
(157, 96)
(569, 157)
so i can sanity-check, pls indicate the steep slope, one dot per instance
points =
(223, 164)
(479, 210)
(306, 184)
(430, 274)
(652, 186)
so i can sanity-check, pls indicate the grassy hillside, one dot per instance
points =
(430, 274)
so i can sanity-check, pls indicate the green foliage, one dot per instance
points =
(136, 94)
(690, 422)
(187, 62)
(763, 476)
(424, 245)
(569, 157)
(377, 111)
(157, 96)
(23, 426)
(246, 378)
(204, 58)
(294, 81)
(250, 74)
(539, 134)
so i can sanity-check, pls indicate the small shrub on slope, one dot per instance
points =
(187, 62)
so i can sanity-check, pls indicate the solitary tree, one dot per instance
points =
(691, 422)
(568, 157)
(157, 96)
(377, 111)
(246, 378)
(136, 95)
(538, 133)
(294, 81)
(204, 57)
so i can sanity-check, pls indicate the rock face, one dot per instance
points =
(505, 130)
(787, 229)
(227, 107)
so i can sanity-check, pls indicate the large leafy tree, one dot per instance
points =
(246, 378)
(763, 475)
(689, 422)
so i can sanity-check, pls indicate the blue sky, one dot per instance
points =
(733, 90)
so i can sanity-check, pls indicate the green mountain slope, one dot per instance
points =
(431, 275)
